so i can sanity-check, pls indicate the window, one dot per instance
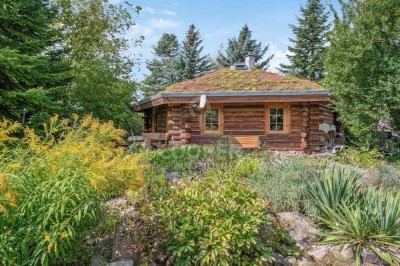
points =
(277, 120)
(212, 121)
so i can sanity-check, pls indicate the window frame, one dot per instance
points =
(286, 118)
(220, 130)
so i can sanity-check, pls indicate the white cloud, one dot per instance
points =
(279, 58)
(149, 10)
(168, 12)
(160, 23)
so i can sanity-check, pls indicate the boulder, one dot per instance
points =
(347, 253)
(300, 228)
(122, 263)
(281, 261)
(319, 253)
(173, 176)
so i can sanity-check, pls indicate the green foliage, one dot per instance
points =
(175, 63)
(362, 66)
(246, 167)
(284, 182)
(51, 218)
(307, 56)
(214, 221)
(389, 176)
(337, 187)
(52, 187)
(194, 64)
(363, 219)
(166, 67)
(182, 159)
(360, 157)
(101, 70)
(239, 47)
(224, 154)
(29, 60)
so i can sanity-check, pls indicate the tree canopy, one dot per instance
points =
(239, 47)
(363, 66)
(174, 62)
(30, 62)
(306, 57)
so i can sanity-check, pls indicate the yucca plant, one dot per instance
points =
(364, 226)
(362, 219)
(337, 186)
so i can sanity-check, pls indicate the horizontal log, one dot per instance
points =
(185, 135)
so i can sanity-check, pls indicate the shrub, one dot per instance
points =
(214, 221)
(284, 181)
(181, 159)
(361, 158)
(246, 167)
(389, 176)
(223, 153)
(363, 219)
(52, 188)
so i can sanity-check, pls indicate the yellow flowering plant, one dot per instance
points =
(52, 186)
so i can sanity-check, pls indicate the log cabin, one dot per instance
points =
(250, 107)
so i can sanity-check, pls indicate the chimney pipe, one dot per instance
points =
(250, 60)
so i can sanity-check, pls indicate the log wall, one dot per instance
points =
(183, 126)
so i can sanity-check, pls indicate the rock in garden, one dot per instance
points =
(281, 261)
(173, 176)
(319, 253)
(300, 228)
(347, 253)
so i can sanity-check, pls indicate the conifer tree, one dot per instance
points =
(166, 68)
(239, 47)
(306, 58)
(194, 63)
(29, 63)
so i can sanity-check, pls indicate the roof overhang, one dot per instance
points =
(234, 97)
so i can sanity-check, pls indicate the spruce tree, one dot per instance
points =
(306, 58)
(194, 63)
(166, 68)
(30, 64)
(239, 47)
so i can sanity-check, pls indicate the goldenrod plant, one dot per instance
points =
(52, 187)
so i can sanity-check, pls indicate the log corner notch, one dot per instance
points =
(178, 125)
(305, 129)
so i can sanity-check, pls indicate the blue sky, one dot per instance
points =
(217, 21)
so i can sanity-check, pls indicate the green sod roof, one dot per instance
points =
(234, 80)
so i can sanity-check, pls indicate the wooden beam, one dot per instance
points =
(155, 136)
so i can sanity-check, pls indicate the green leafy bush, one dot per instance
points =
(362, 157)
(246, 166)
(364, 219)
(224, 154)
(284, 181)
(52, 187)
(214, 221)
(182, 159)
(389, 176)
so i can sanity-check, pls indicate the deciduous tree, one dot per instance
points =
(363, 66)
